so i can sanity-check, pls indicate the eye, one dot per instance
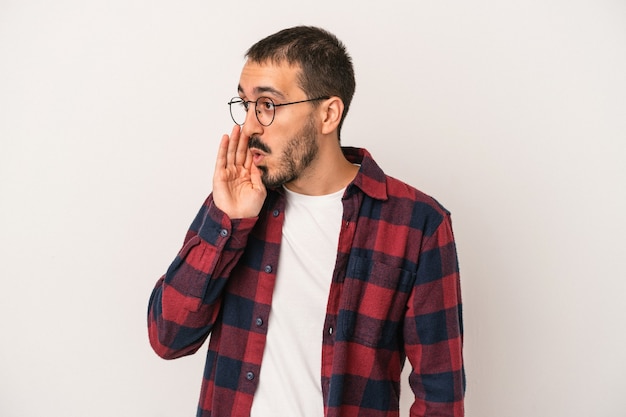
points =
(265, 104)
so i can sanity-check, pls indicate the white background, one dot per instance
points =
(511, 113)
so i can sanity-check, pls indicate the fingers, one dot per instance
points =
(220, 161)
(231, 152)
(242, 152)
(228, 153)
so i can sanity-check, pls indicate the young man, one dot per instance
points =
(315, 274)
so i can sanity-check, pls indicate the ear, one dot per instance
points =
(332, 110)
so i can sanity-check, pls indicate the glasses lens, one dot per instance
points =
(237, 110)
(265, 111)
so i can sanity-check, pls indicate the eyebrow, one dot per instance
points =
(262, 90)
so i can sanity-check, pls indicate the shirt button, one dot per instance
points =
(223, 232)
(330, 330)
(250, 376)
(259, 321)
(275, 213)
(268, 268)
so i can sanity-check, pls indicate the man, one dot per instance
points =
(314, 273)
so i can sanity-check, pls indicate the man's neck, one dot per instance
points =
(330, 172)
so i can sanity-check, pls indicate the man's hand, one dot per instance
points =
(237, 187)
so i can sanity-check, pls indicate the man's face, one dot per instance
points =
(285, 149)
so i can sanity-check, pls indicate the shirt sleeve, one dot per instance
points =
(186, 300)
(433, 329)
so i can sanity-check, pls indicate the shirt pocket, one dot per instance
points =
(374, 301)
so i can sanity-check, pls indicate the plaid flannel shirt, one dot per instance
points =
(395, 294)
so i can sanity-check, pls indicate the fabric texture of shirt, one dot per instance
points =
(395, 294)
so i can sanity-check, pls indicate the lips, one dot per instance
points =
(257, 156)
(258, 149)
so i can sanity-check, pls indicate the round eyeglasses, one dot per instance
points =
(264, 109)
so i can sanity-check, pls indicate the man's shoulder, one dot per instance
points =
(392, 191)
(398, 190)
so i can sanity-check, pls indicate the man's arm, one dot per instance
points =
(186, 300)
(434, 330)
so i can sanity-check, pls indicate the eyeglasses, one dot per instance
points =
(265, 109)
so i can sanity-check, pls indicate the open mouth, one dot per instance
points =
(257, 156)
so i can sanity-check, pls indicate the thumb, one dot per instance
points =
(256, 177)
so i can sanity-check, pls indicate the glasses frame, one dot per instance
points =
(246, 105)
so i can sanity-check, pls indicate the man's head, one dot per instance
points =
(298, 84)
(325, 66)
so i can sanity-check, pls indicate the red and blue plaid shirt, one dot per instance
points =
(395, 294)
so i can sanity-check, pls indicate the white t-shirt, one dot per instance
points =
(290, 377)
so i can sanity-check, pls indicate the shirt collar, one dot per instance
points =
(370, 178)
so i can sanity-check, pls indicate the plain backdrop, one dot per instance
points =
(511, 113)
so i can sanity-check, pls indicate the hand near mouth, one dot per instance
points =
(237, 187)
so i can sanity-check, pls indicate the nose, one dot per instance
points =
(252, 126)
